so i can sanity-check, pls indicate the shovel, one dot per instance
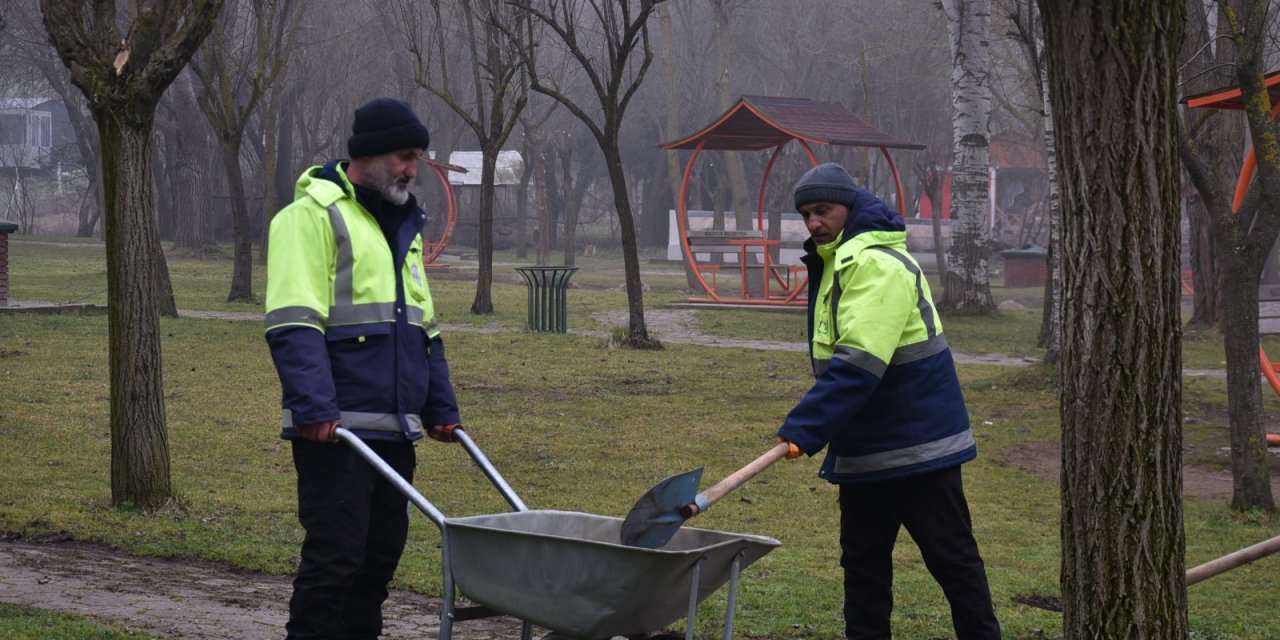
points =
(662, 510)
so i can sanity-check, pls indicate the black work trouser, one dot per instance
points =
(356, 524)
(933, 508)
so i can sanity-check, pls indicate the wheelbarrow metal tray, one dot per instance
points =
(568, 572)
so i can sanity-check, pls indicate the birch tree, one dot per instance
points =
(967, 288)
(1112, 66)
(1024, 17)
(122, 74)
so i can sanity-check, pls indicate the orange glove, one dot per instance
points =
(320, 432)
(442, 432)
(793, 451)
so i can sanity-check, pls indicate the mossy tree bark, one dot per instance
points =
(123, 76)
(1123, 544)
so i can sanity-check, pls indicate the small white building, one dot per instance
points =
(26, 133)
(510, 168)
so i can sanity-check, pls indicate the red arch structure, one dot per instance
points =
(432, 248)
(1233, 99)
(765, 123)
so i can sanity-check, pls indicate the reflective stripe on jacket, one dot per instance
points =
(350, 319)
(886, 400)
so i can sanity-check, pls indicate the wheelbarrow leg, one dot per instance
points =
(733, 596)
(450, 590)
(693, 600)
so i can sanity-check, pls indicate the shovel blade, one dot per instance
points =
(656, 516)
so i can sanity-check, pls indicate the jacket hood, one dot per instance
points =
(329, 172)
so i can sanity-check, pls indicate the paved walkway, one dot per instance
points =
(679, 326)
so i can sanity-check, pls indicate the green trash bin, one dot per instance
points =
(548, 300)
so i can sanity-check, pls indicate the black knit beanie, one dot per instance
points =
(826, 183)
(383, 125)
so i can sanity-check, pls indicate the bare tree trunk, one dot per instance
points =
(1251, 480)
(196, 232)
(139, 439)
(483, 301)
(545, 223)
(614, 78)
(1244, 235)
(522, 203)
(90, 213)
(934, 188)
(1207, 64)
(271, 158)
(242, 237)
(671, 89)
(122, 85)
(573, 205)
(638, 333)
(967, 287)
(1123, 544)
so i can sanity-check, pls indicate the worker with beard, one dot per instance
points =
(353, 334)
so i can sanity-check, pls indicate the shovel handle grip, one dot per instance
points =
(737, 479)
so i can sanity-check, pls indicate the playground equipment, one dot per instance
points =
(1233, 99)
(763, 123)
(433, 247)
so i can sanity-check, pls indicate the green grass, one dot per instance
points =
(572, 424)
(21, 623)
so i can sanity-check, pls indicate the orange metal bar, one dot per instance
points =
(897, 181)
(434, 249)
(682, 218)
(1242, 187)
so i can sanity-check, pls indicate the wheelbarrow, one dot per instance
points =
(567, 572)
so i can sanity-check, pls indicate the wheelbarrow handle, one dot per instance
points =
(420, 501)
(490, 471)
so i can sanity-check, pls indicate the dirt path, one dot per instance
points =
(189, 600)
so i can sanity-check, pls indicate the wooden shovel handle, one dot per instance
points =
(737, 478)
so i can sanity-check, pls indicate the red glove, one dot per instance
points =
(320, 432)
(442, 432)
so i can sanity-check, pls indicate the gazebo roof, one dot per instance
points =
(1229, 97)
(761, 122)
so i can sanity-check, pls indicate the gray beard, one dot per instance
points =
(386, 184)
(395, 194)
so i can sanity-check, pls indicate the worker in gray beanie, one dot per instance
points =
(826, 183)
(887, 407)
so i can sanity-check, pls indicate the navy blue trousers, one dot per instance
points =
(356, 524)
(934, 511)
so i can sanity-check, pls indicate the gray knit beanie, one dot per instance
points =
(826, 183)
(383, 125)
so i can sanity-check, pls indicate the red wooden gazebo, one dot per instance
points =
(764, 123)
